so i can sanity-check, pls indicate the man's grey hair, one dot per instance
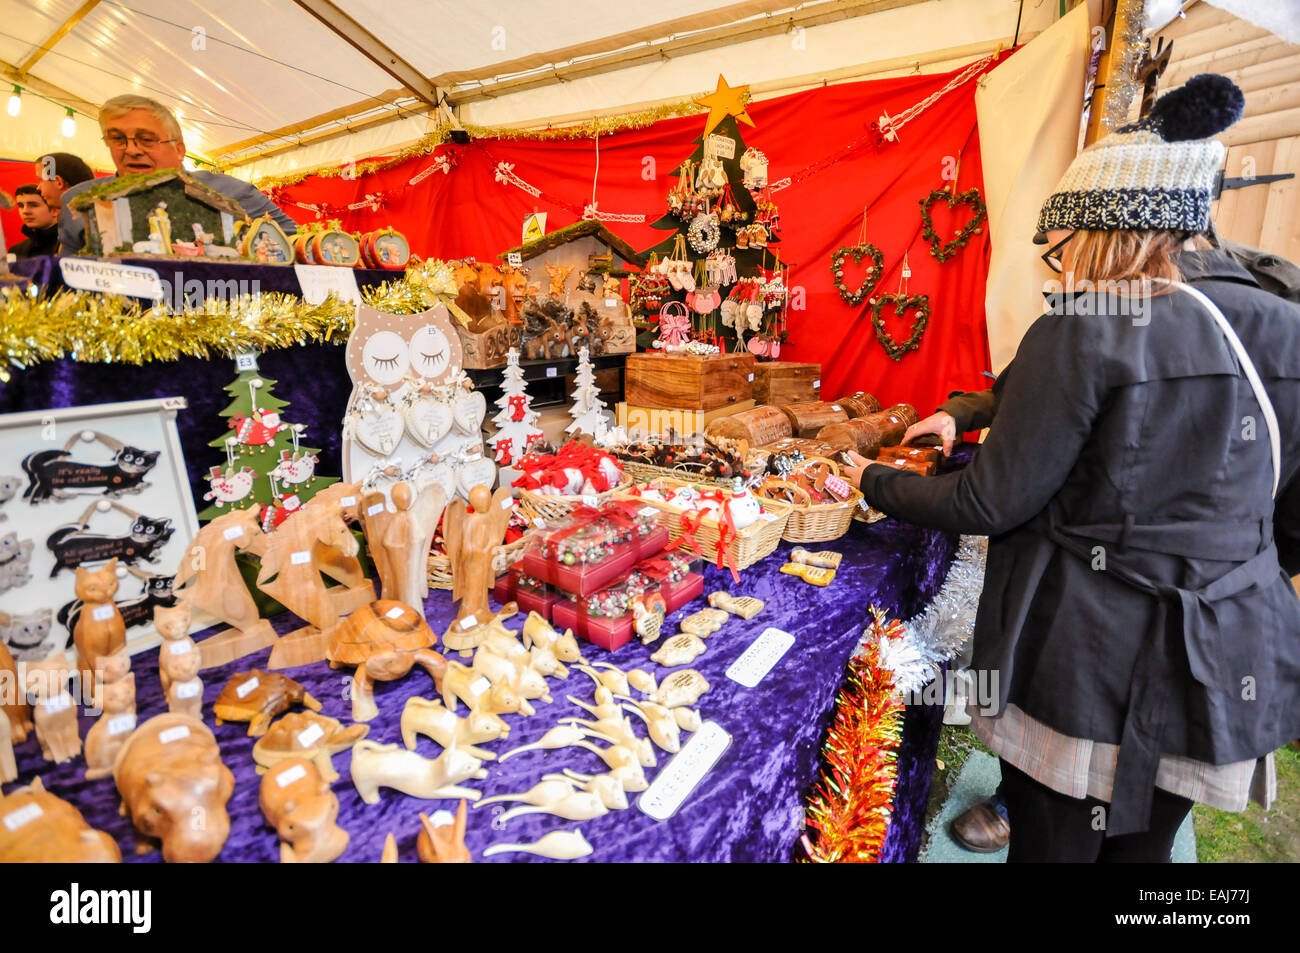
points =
(121, 105)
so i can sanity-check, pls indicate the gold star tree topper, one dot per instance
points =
(725, 101)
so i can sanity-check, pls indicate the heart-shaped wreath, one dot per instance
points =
(943, 251)
(874, 270)
(901, 303)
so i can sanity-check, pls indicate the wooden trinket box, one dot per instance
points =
(808, 419)
(688, 381)
(786, 382)
(914, 454)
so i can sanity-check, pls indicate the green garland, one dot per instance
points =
(874, 271)
(902, 303)
(943, 251)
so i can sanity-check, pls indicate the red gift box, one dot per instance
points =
(652, 544)
(692, 587)
(542, 603)
(581, 579)
(609, 634)
(504, 590)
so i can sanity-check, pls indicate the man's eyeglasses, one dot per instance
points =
(145, 140)
(1052, 257)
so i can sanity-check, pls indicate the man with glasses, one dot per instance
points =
(143, 136)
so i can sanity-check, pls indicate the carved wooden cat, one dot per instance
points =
(100, 630)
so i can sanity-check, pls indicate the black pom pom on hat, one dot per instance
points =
(1203, 106)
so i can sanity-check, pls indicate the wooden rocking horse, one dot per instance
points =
(354, 589)
(208, 579)
(291, 574)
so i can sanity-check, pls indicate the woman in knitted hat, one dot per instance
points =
(1141, 487)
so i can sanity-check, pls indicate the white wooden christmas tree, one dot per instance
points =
(588, 409)
(516, 422)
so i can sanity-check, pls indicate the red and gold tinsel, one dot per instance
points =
(849, 810)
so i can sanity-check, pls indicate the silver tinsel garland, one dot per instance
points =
(941, 631)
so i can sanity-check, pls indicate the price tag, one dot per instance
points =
(757, 660)
(817, 384)
(681, 775)
(552, 372)
(121, 724)
(374, 509)
(300, 557)
(290, 775)
(721, 147)
(58, 704)
(469, 622)
(396, 612)
(180, 647)
(768, 517)
(23, 816)
(479, 687)
(442, 819)
(246, 361)
(87, 274)
(173, 734)
(508, 502)
(837, 407)
(611, 302)
(102, 613)
(647, 511)
(246, 689)
(348, 501)
(589, 500)
(317, 281)
(517, 649)
(515, 258)
(539, 522)
(751, 377)
(189, 689)
(907, 271)
(234, 532)
(310, 735)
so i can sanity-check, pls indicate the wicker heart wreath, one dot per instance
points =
(874, 270)
(943, 251)
(902, 303)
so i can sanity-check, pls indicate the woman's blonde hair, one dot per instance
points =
(1129, 255)
(121, 105)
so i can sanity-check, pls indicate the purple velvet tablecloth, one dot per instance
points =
(748, 808)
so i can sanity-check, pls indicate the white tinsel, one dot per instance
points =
(941, 631)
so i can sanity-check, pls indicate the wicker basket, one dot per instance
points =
(751, 543)
(552, 509)
(645, 472)
(503, 557)
(821, 522)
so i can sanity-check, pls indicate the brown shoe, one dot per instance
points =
(982, 829)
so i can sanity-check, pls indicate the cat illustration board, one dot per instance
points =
(54, 475)
(30, 636)
(75, 544)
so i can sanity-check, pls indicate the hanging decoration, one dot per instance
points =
(863, 249)
(725, 101)
(902, 302)
(849, 811)
(941, 250)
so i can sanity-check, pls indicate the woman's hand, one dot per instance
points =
(941, 424)
(854, 473)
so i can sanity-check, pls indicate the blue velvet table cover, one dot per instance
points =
(749, 808)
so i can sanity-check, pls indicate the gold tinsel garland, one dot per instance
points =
(850, 807)
(601, 126)
(98, 328)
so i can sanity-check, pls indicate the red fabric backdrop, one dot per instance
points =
(804, 135)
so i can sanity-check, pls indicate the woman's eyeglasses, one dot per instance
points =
(1052, 257)
(145, 140)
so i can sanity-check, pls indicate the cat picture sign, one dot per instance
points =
(90, 487)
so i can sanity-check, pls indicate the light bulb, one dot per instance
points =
(15, 101)
(69, 125)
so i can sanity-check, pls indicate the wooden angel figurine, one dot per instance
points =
(208, 581)
(472, 534)
(558, 275)
(399, 541)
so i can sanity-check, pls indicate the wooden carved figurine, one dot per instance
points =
(173, 626)
(169, 774)
(423, 716)
(559, 845)
(541, 637)
(306, 735)
(681, 688)
(399, 541)
(442, 838)
(558, 275)
(344, 569)
(704, 622)
(209, 582)
(477, 691)
(299, 804)
(744, 606)
(256, 697)
(8, 764)
(100, 630)
(383, 641)
(376, 766)
(15, 716)
(679, 650)
(37, 827)
(472, 534)
(824, 559)
(291, 575)
(55, 713)
(117, 697)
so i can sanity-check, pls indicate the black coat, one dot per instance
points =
(39, 241)
(1134, 594)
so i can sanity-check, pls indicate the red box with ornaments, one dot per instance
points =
(529, 594)
(593, 547)
(614, 633)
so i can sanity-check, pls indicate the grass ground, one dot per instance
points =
(1254, 836)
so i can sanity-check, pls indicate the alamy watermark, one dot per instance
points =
(1086, 298)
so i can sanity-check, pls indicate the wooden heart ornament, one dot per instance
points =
(871, 278)
(902, 304)
(436, 472)
(468, 412)
(943, 251)
(378, 428)
(477, 471)
(428, 419)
